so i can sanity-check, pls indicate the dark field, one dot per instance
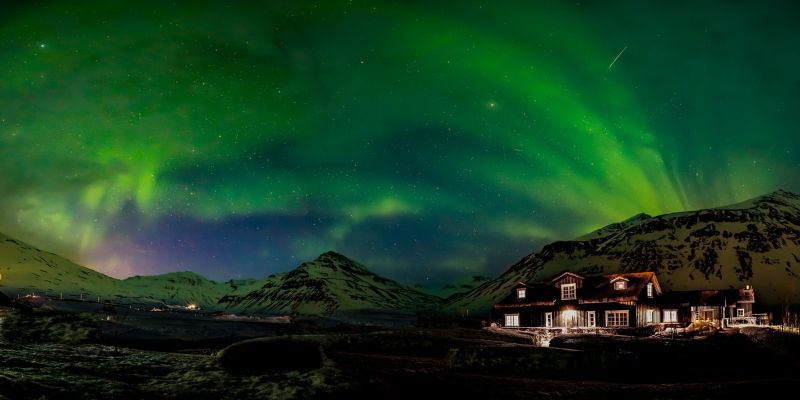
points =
(402, 363)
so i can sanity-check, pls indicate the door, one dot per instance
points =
(591, 320)
(548, 320)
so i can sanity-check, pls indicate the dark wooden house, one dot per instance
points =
(711, 306)
(571, 300)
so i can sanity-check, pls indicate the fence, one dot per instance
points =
(791, 321)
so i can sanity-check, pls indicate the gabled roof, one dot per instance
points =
(538, 294)
(747, 295)
(599, 289)
(559, 276)
(596, 289)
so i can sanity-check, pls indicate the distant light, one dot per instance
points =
(42, 45)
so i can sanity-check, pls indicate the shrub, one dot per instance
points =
(28, 326)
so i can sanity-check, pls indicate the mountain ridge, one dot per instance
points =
(756, 241)
(27, 269)
(331, 283)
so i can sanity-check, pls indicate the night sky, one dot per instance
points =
(428, 141)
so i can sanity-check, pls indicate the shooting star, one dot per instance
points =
(617, 57)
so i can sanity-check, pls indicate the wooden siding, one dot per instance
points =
(748, 309)
(568, 279)
(640, 314)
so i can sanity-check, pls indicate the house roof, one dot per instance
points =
(708, 297)
(557, 277)
(599, 289)
(537, 294)
(747, 295)
(595, 289)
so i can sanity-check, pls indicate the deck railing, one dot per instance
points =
(755, 319)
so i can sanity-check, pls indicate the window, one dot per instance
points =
(670, 315)
(616, 318)
(548, 320)
(521, 293)
(649, 316)
(740, 312)
(619, 285)
(591, 319)
(650, 289)
(568, 291)
(512, 320)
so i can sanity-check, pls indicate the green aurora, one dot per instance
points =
(428, 140)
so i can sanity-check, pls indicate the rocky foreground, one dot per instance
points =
(408, 363)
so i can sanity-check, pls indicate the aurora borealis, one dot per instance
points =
(428, 140)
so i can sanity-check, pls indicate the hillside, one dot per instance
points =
(177, 288)
(329, 284)
(755, 242)
(27, 270)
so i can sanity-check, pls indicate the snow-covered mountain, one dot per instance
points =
(755, 242)
(329, 284)
(178, 288)
(28, 270)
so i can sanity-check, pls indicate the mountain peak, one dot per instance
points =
(332, 282)
(636, 218)
(332, 255)
(331, 260)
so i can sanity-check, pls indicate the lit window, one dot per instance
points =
(649, 316)
(740, 312)
(670, 315)
(616, 318)
(650, 289)
(568, 291)
(520, 293)
(619, 285)
(512, 320)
